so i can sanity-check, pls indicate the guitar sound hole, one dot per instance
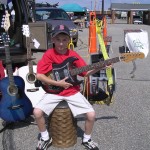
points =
(12, 90)
(31, 78)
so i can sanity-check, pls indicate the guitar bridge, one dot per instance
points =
(15, 107)
(33, 90)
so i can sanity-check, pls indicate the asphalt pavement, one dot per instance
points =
(124, 125)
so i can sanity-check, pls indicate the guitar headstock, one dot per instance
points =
(5, 38)
(127, 57)
(26, 31)
(5, 21)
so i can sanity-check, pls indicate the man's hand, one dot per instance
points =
(64, 84)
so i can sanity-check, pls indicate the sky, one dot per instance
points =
(93, 4)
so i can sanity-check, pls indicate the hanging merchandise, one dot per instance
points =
(138, 42)
(110, 73)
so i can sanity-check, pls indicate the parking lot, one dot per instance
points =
(124, 125)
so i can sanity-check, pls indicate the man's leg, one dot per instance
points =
(40, 120)
(44, 140)
(90, 119)
(89, 123)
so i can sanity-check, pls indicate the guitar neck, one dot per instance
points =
(30, 62)
(9, 65)
(6, 40)
(98, 65)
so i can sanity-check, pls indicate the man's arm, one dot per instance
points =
(48, 80)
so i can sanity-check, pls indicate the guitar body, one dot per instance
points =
(14, 106)
(5, 75)
(34, 93)
(59, 72)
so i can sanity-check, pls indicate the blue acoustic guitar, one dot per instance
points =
(14, 104)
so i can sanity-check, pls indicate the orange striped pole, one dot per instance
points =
(92, 33)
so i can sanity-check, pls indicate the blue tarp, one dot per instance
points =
(73, 8)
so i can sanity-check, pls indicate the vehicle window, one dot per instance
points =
(54, 14)
(136, 17)
(42, 14)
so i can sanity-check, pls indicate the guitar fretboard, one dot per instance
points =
(98, 65)
(29, 55)
(9, 65)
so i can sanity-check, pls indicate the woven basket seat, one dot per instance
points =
(62, 126)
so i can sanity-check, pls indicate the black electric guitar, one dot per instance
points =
(65, 69)
(14, 104)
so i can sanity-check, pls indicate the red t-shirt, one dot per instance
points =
(2, 73)
(52, 57)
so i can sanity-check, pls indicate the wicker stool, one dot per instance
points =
(63, 126)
